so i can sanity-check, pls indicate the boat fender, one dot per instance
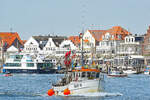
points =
(50, 92)
(66, 91)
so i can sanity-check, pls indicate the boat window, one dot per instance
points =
(13, 65)
(88, 74)
(74, 74)
(30, 64)
(97, 75)
(79, 74)
(93, 74)
(83, 74)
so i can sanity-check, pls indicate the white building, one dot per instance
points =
(91, 39)
(110, 39)
(31, 46)
(130, 46)
(108, 44)
(12, 49)
(65, 46)
(47, 45)
(50, 47)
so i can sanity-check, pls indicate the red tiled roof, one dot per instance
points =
(9, 37)
(75, 40)
(116, 30)
(97, 34)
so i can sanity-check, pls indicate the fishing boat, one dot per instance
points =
(77, 80)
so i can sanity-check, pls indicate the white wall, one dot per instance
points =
(50, 47)
(31, 46)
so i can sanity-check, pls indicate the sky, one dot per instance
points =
(70, 17)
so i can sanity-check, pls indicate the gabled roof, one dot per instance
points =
(58, 40)
(9, 37)
(116, 30)
(97, 33)
(75, 40)
(42, 40)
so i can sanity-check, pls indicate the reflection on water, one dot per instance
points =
(35, 86)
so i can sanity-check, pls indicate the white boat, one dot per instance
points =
(129, 71)
(24, 63)
(78, 81)
(117, 74)
(147, 70)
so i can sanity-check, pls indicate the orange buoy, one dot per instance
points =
(66, 91)
(50, 92)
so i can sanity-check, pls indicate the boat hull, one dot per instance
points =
(29, 71)
(119, 75)
(78, 87)
(146, 72)
(129, 72)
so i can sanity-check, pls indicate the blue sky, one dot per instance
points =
(66, 17)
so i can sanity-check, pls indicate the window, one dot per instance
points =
(132, 40)
(107, 43)
(83, 74)
(112, 43)
(88, 74)
(97, 75)
(126, 39)
(30, 64)
(13, 64)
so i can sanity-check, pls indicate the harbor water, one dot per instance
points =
(35, 86)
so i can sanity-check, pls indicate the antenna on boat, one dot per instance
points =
(82, 49)
(83, 11)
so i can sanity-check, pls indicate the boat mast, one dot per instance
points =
(82, 49)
